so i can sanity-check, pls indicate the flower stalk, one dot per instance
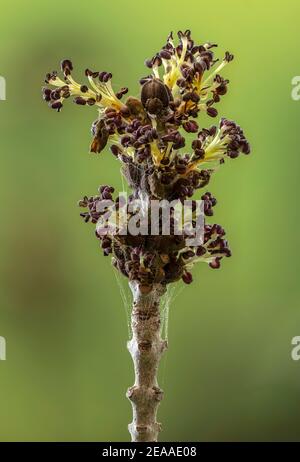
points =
(147, 136)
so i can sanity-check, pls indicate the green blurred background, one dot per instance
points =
(228, 374)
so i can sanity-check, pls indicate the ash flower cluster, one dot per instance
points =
(148, 256)
(147, 136)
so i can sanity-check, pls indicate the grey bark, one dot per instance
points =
(146, 348)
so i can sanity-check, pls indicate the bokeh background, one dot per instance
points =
(228, 374)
